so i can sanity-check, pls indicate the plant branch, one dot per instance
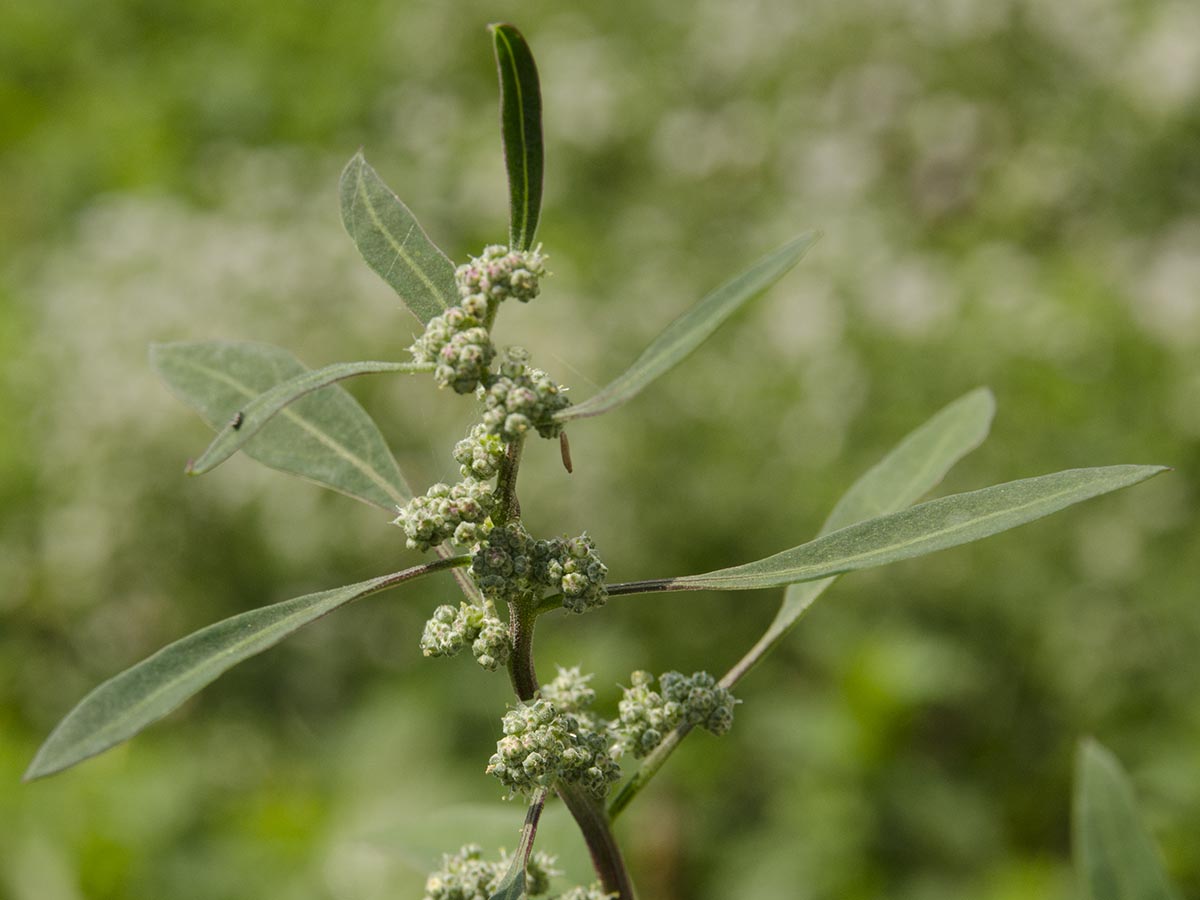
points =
(451, 562)
(446, 551)
(659, 755)
(648, 769)
(593, 821)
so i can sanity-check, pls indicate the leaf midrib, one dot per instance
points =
(364, 467)
(516, 77)
(924, 537)
(364, 197)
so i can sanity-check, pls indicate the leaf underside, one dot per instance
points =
(125, 704)
(691, 329)
(1115, 856)
(250, 419)
(520, 132)
(394, 244)
(325, 437)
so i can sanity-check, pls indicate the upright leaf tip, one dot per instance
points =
(520, 131)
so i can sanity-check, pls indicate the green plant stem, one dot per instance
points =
(521, 617)
(652, 586)
(648, 769)
(506, 484)
(489, 318)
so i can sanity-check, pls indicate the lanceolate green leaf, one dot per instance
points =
(127, 703)
(935, 525)
(520, 132)
(247, 421)
(325, 436)
(393, 244)
(1115, 857)
(691, 329)
(915, 467)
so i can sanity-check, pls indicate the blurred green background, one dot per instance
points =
(1009, 191)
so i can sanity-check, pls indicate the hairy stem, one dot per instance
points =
(506, 484)
(521, 617)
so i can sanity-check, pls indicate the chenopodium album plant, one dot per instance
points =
(261, 400)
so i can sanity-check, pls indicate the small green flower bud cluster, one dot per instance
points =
(501, 565)
(510, 563)
(450, 630)
(521, 398)
(492, 646)
(457, 342)
(499, 273)
(579, 574)
(542, 744)
(465, 875)
(479, 454)
(445, 512)
(646, 715)
(569, 691)
(459, 347)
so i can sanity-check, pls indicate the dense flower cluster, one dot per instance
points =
(501, 565)
(492, 646)
(579, 574)
(569, 691)
(445, 512)
(509, 563)
(457, 342)
(479, 454)
(459, 347)
(520, 398)
(450, 630)
(465, 875)
(541, 744)
(646, 715)
(499, 273)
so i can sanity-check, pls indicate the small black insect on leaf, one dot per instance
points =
(236, 422)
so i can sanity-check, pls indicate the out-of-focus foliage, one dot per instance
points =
(1009, 192)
